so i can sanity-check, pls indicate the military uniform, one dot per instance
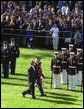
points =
(72, 65)
(5, 59)
(64, 66)
(79, 66)
(14, 53)
(55, 68)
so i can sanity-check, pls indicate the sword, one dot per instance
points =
(51, 79)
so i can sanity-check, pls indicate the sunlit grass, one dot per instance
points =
(12, 88)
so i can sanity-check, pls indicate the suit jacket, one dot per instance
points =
(32, 75)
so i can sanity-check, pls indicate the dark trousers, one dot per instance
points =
(39, 84)
(5, 66)
(13, 66)
(30, 90)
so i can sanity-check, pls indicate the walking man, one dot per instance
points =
(32, 79)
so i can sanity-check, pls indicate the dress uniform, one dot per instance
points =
(79, 66)
(55, 68)
(32, 76)
(72, 65)
(14, 53)
(64, 66)
(5, 59)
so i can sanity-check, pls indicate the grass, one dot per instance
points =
(12, 87)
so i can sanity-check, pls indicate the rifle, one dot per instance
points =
(51, 79)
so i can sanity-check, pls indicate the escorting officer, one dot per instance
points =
(14, 53)
(55, 68)
(72, 65)
(32, 79)
(79, 57)
(64, 66)
(5, 59)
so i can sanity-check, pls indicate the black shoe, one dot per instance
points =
(33, 97)
(23, 94)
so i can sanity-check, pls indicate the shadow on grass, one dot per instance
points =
(18, 78)
(15, 84)
(42, 55)
(63, 98)
(19, 74)
(58, 101)
(55, 94)
(48, 77)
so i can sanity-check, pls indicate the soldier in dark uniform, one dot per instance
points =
(79, 57)
(64, 66)
(32, 79)
(14, 53)
(39, 81)
(5, 59)
(72, 66)
(55, 68)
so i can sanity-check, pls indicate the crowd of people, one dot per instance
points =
(68, 15)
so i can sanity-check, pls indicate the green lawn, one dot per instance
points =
(12, 88)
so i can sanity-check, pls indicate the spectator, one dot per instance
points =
(55, 36)
(29, 36)
(65, 9)
(77, 39)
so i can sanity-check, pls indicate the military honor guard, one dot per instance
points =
(5, 59)
(14, 53)
(55, 68)
(64, 66)
(72, 66)
(79, 57)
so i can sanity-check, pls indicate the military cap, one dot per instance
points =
(79, 49)
(71, 45)
(63, 49)
(72, 53)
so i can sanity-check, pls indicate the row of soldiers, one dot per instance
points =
(67, 67)
(9, 53)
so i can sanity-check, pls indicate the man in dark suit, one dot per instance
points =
(14, 53)
(5, 59)
(32, 79)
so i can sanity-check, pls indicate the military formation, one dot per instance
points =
(67, 68)
(9, 53)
